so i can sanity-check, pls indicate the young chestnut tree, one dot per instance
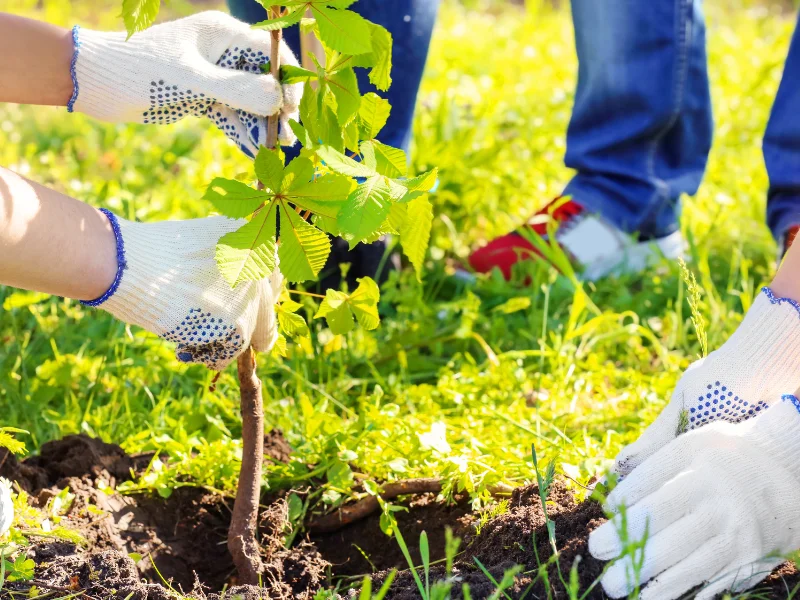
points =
(344, 183)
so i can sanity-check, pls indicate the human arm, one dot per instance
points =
(34, 62)
(719, 506)
(205, 65)
(52, 243)
(160, 276)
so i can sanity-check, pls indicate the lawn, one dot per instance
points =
(460, 379)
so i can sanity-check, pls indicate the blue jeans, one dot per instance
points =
(411, 24)
(641, 126)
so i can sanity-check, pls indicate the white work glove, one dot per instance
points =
(168, 282)
(720, 505)
(6, 506)
(760, 361)
(203, 65)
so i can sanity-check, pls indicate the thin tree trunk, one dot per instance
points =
(242, 535)
(242, 540)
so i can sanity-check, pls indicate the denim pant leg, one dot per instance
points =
(641, 125)
(782, 147)
(411, 24)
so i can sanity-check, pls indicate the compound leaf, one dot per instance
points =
(336, 311)
(233, 198)
(248, 254)
(364, 303)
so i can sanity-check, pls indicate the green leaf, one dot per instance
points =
(415, 234)
(287, 20)
(372, 115)
(351, 136)
(303, 249)
(343, 30)
(336, 161)
(269, 168)
(248, 254)
(421, 183)
(386, 160)
(297, 173)
(293, 74)
(340, 475)
(233, 198)
(364, 303)
(365, 209)
(339, 309)
(344, 86)
(380, 59)
(336, 311)
(292, 324)
(301, 133)
(138, 15)
(513, 305)
(324, 196)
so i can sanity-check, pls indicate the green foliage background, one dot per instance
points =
(455, 382)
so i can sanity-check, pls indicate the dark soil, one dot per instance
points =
(509, 539)
(183, 538)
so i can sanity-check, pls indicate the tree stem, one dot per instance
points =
(242, 535)
(242, 542)
(275, 70)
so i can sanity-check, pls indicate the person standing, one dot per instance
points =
(639, 138)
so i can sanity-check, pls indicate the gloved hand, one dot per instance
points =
(720, 505)
(6, 507)
(760, 361)
(203, 65)
(168, 282)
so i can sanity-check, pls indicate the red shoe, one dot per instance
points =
(597, 247)
(786, 241)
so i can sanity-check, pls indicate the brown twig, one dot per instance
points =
(350, 513)
(242, 542)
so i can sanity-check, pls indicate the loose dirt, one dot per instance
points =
(182, 539)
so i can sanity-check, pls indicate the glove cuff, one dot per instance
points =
(769, 338)
(121, 263)
(96, 72)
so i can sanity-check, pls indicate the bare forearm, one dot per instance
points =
(52, 243)
(34, 62)
(787, 280)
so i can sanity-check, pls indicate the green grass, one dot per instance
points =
(447, 386)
